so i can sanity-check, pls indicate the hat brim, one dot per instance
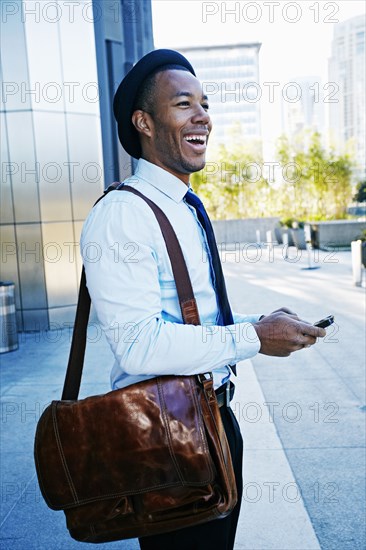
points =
(125, 95)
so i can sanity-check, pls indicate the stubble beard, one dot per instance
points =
(190, 168)
(173, 155)
(176, 161)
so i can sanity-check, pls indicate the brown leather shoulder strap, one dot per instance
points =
(187, 301)
(181, 277)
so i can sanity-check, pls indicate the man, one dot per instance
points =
(163, 121)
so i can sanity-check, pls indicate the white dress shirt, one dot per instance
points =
(131, 284)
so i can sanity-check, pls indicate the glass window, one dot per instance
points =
(360, 48)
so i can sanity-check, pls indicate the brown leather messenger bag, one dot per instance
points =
(145, 459)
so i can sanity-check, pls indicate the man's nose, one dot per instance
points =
(201, 116)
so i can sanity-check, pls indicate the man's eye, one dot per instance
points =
(183, 103)
(206, 106)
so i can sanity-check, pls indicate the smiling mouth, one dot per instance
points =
(196, 140)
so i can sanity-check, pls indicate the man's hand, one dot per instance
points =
(282, 332)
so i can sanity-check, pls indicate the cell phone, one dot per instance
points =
(323, 323)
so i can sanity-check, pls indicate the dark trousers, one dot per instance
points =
(218, 534)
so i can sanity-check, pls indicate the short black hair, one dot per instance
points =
(146, 93)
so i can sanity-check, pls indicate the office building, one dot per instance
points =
(347, 70)
(61, 63)
(303, 106)
(230, 78)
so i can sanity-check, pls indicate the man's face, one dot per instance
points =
(180, 124)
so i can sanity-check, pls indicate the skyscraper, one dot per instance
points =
(230, 78)
(304, 109)
(347, 71)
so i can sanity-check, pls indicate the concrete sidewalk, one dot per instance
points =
(302, 417)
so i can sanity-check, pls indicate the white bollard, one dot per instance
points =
(307, 232)
(258, 236)
(269, 241)
(356, 262)
(285, 243)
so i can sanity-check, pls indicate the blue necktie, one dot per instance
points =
(225, 315)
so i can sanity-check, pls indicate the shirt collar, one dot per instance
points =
(162, 180)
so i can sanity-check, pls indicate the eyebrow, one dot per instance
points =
(188, 94)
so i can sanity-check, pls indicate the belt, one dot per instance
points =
(224, 394)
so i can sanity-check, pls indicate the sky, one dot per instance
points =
(296, 36)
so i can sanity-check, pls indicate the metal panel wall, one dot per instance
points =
(51, 153)
(61, 65)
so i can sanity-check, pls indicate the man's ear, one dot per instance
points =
(142, 122)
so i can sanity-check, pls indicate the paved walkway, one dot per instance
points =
(303, 417)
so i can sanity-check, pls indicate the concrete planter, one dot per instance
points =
(280, 231)
(278, 234)
(326, 235)
(243, 230)
(298, 236)
(337, 233)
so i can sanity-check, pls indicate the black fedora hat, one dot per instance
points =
(125, 95)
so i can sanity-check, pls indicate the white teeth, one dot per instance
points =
(199, 138)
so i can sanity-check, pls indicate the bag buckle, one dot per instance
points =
(227, 394)
(205, 377)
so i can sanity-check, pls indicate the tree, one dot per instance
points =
(314, 183)
(320, 184)
(232, 184)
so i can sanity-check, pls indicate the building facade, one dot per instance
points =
(61, 63)
(230, 79)
(347, 70)
(303, 106)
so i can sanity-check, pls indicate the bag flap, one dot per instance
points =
(144, 437)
